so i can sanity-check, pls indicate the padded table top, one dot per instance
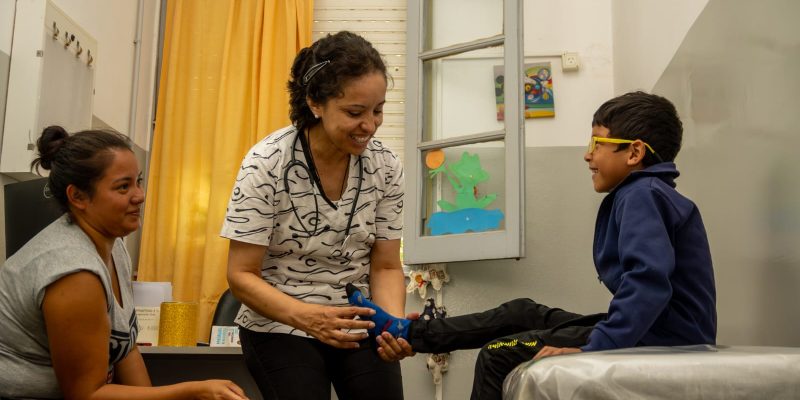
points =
(686, 372)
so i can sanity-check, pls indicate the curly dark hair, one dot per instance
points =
(79, 159)
(320, 71)
(648, 117)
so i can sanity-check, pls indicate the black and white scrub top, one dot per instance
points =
(307, 259)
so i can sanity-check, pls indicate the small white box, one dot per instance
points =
(147, 320)
(570, 62)
(224, 336)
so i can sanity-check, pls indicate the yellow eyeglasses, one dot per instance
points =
(595, 139)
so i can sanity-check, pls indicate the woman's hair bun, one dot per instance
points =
(48, 145)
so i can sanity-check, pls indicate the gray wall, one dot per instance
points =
(736, 84)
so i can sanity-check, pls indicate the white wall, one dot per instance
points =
(582, 26)
(6, 32)
(6, 25)
(113, 24)
(144, 107)
(646, 35)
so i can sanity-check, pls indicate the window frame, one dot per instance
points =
(506, 243)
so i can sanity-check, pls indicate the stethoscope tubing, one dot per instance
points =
(294, 162)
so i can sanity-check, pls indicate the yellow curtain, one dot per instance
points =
(223, 86)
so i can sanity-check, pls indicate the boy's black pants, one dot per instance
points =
(507, 335)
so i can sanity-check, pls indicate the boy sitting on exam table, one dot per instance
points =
(650, 250)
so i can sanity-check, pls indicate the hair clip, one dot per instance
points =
(313, 71)
(46, 192)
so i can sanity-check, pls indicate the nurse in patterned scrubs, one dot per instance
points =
(317, 205)
(67, 323)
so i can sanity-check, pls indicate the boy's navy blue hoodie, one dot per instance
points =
(651, 251)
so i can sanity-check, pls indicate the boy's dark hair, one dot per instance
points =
(321, 70)
(79, 159)
(648, 117)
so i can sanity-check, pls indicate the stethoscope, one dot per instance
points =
(295, 163)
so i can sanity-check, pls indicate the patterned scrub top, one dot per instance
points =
(308, 256)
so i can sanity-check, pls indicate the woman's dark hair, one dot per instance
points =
(321, 70)
(648, 117)
(79, 159)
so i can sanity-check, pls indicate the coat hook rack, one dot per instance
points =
(68, 39)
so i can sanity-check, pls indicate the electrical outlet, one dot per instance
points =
(569, 62)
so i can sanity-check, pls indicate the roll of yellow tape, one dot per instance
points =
(178, 324)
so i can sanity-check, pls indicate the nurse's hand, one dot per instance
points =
(330, 324)
(391, 349)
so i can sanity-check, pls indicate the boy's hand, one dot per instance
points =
(548, 351)
(391, 349)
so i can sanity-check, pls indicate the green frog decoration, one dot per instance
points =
(467, 213)
(465, 175)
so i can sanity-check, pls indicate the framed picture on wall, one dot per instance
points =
(538, 83)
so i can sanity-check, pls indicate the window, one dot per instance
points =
(464, 148)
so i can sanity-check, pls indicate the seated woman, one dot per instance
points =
(67, 323)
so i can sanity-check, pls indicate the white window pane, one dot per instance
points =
(448, 22)
(461, 92)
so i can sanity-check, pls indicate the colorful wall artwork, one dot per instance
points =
(467, 212)
(538, 81)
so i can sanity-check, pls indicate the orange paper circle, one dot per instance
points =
(434, 159)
